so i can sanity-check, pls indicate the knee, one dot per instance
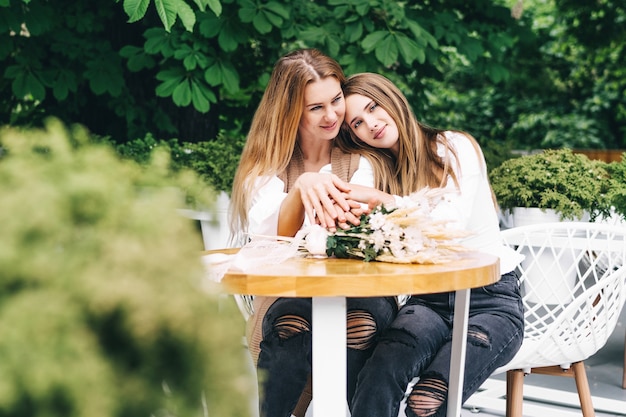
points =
(289, 325)
(478, 337)
(427, 396)
(361, 330)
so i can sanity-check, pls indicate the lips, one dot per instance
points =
(379, 134)
(331, 127)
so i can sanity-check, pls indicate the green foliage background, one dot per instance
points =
(523, 75)
(103, 307)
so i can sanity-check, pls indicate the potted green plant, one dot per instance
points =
(559, 184)
(616, 193)
(548, 186)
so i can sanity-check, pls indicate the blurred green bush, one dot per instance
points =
(103, 308)
(214, 161)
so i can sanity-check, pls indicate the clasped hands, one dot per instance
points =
(332, 203)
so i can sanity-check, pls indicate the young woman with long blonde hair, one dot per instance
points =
(379, 123)
(277, 189)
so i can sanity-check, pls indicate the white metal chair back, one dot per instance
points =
(574, 287)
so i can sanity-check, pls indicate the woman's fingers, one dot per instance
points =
(319, 194)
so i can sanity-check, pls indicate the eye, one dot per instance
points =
(337, 99)
(357, 124)
(315, 108)
(373, 107)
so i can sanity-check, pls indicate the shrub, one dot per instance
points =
(214, 161)
(103, 307)
(568, 183)
(617, 185)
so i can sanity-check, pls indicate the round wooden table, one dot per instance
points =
(330, 280)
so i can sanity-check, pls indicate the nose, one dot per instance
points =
(372, 123)
(331, 115)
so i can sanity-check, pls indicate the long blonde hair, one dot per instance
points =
(274, 129)
(417, 165)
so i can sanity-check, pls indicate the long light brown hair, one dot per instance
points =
(274, 129)
(417, 164)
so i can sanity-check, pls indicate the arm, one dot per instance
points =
(267, 198)
(459, 205)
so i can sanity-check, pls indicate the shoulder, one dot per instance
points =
(459, 140)
(466, 150)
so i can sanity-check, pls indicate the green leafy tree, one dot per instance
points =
(193, 69)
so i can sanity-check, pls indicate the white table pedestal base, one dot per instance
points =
(329, 355)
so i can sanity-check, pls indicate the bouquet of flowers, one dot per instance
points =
(405, 233)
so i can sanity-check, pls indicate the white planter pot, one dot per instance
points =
(213, 223)
(522, 216)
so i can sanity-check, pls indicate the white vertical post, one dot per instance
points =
(329, 355)
(457, 358)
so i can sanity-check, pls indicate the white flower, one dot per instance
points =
(377, 239)
(377, 220)
(315, 240)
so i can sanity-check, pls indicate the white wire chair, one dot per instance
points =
(574, 287)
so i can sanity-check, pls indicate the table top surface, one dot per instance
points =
(311, 277)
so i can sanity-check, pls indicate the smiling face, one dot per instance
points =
(371, 123)
(324, 110)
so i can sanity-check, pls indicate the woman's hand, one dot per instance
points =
(369, 195)
(323, 197)
(351, 217)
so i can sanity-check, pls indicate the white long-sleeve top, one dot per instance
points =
(471, 207)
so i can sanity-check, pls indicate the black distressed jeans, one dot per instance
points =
(418, 344)
(285, 357)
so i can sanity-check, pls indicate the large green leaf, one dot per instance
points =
(387, 51)
(187, 15)
(472, 48)
(247, 11)
(158, 42)
(63, 84)
(409, 49)
(261, 23)
(136, 9)
(373, 39)
(27, 85)
(354, 31)
(215, 6)
(201, 96)
(104, 78)
(182, 93)
(228, 38)
(170, 78)
(422, 36)
(222, 72)
(230, 77)
(209, 25)
(167, 11)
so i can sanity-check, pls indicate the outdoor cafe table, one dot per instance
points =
(328, 281)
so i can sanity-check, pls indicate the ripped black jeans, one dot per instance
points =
(418, 344)
(285, 357)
